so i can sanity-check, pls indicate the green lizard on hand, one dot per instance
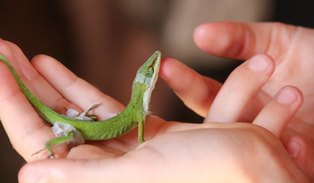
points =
(68, 129)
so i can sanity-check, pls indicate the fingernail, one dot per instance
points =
(258, 63)
(293, 148)
(286, 96)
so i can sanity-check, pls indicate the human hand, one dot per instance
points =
(174, 151)
(289, 46)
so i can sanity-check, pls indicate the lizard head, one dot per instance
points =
(147, 74)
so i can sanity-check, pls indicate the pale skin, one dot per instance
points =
(179, 150)
(291, 49)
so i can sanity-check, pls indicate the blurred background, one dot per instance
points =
(104, 42)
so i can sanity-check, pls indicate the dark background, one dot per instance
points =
(44, 27)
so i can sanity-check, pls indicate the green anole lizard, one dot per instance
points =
(132, 116)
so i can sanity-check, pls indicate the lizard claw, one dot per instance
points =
(37, 152)
(51, 156)
(87, 112)
(85, 115)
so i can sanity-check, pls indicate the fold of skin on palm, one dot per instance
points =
(292, 49)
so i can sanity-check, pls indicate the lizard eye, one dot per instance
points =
(150, 71)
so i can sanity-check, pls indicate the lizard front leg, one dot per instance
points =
(65, 133)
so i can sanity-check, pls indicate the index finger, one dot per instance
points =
(243, 40)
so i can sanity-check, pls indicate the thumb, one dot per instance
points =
(300, 151)
(243, 40)
(78, 171)
(184, 81)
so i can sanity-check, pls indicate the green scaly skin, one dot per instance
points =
(132, 116)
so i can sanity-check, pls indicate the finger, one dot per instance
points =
(276, 115)
(24, 127)
(240, 87)
(298, 150)
(47, 66)
(35, 82)
(62, 170)
(90, 152)
(81, 171)
(196, 91)
(243, 40)
(17, 59)
(74, 89)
